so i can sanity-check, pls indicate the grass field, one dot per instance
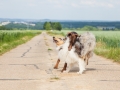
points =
(108, 43)
(11, 39)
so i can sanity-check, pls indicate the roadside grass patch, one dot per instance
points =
(56, 33)
(11, 39)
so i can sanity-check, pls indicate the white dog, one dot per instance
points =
(70, 57)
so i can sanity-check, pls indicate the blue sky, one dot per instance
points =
(61, 9)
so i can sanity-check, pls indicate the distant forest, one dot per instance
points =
(94, 24)
(21, 26)
(65, 25)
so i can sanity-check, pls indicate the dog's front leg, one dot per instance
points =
(56, 66)
(81, 64)
(68, 68)
(64, 68)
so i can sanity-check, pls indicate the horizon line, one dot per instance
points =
(62, 19)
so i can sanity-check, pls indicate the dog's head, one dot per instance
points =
(72, 37)
(58, 41)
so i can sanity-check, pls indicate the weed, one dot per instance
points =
(49, 49)
(55, 78)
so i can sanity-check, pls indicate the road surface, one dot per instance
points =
(30, 67)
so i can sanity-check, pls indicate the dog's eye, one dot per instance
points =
(60, 38)
(65, 38)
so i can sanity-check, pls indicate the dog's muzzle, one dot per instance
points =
(54, 40)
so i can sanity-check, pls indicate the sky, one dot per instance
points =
(61, 9)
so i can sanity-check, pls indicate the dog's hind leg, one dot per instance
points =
(86, 60)
(90, 54)
(81, 64)
(56, 66)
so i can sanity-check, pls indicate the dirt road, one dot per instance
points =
(30, 67)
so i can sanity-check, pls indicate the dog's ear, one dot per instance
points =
(73, 37)
(79, 35)
(69, 34)
(76, 35)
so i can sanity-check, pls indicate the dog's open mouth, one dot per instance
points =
(54, 40)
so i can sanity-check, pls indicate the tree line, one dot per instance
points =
(38, 26)
(81, 24)
(92, 26)
(5, 28)
(52, 26)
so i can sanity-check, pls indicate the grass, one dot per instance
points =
(56, 33)
(11, 39)
(108, 43)
(49, 49)
(55, 78)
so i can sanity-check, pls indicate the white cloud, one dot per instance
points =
(81, 3)
(94, 3)
(88, 2)
(75, 5)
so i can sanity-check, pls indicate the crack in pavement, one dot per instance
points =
(110, 80)
(27, 65)
(37, 43)
(26, 52)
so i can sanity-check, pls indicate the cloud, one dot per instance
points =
(94, 3)
(75, 5)
(63, 3)
(82, 3)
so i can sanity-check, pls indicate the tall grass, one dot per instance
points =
(10, 39)
(108, 43)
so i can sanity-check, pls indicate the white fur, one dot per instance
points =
(70, 57)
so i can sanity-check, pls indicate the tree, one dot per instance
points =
(44, 26)
(2, 28)
(5, 28)
(58, 26)
(52, 25)
(47, 26)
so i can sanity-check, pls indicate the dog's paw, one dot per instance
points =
(65, 71)
(55, 67)
(84, 69)
(79, 72)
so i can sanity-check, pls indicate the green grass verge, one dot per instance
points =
(11, 39)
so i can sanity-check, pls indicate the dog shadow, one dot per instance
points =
(76, 69)
(90, 69)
